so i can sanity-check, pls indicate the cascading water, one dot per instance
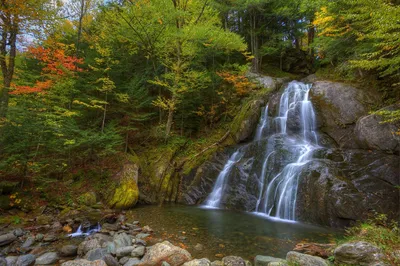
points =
(282, 145)
(214, 199)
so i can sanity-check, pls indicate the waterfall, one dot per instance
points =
(214, 199)
(282, 145)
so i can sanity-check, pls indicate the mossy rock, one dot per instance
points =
(126, 194)
(88, 199)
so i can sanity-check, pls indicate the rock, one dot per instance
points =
(28, 243)
(141, 235)
(7, 239)
(44, 219)
(110, 260)
(164, 263)
(127, 192)
(83, 262)
(198, 262)
(69, 250)
(96, 254)
(358, 253)
(372, 134)
(25, 260)
(338, 106)
(3, 261)
(111, 227)
(50, 238)
(315, 249)
(102, 238)
(140, 242)
(199, 247)
(165, 251)
(124, 251)
(132, 262)
(278, 263)
(47, 258)
(110, 247)
(122, 240)
(11, 260)
(39, 237)
(147, 229)
(265, 260)
(233, 261)
(87, 245)
(123, 260)
(138, 251)
(18, 232)
(88, 198)
(216, 263)
(300, 259)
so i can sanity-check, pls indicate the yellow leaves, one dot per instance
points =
(160, 21)
(165, 104)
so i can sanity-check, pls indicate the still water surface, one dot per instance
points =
(223, 232)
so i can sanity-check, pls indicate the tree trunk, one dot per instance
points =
(169, 122)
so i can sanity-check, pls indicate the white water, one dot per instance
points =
(278, 197)
(278, 190)
(214, 199)
(90, 231)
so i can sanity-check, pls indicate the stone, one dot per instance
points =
(83, 262)
(165, 251)
(198, 262)
(50, 238)
(265, 260)
(140, 242)
(3, 261)
(110, 260)
(358, 253)
(11, 260)
(141, 235)
(7, 239)
(138, 251)
(164, 263)
(372, 134)
(147, 229)
(87, 245)
(199, 247)
(315, 249)
(124, 251)
(26, 260)
(110, 247)
(18, 232)
(132, 262)
(28, 243)
(47, 258)
(96, 254)
(122, 240)
(233, 261)
(300, 259)
(216, 263)
(278, 263)
(123, 260)
(126, 193)
(39, 237)
(69, 250)
(110, 227)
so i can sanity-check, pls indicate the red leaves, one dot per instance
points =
(39, 87)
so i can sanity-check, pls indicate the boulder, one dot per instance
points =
(110, 260)
(124, 251)
(88, 245)
(26, 260)
(338, 107)
(315, 249)
(7, 239)
(265, 260)
(358, 253)
(165, 251)
(198, 262)
(28, 243)
(300, 259)
(69, 251)
(122, 240)
(47, 258)
(138, 251)
(96, 254)
(372, 134)
(126, 194)
(83, 262)
(11, 260)
(233, 261)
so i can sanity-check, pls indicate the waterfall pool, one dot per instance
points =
(224, 233)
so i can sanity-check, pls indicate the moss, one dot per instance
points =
(126, 195)
(88, 198)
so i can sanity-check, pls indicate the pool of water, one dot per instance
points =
(224, 233)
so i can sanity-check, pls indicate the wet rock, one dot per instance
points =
(83, 262)
(47, 258)
(87, 245)
(300, 259)
(11, 260)
(165, 251)
(266, 260)
(25, 260)
(372, 134)
(96, 254)
(233, 261)
(69, 250)
(122, 240)
(198, 262)
(138, 251)
(110, 260)
(124, 251)
(315, 249)
(127, 192)
(7, 239)
(358, 253)
(3, 261)
(132, 262)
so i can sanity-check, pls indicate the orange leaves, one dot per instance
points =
(239, 82)
(39, 87)
(55, 60)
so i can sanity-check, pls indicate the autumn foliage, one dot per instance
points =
(56, 64)
(241, 84)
